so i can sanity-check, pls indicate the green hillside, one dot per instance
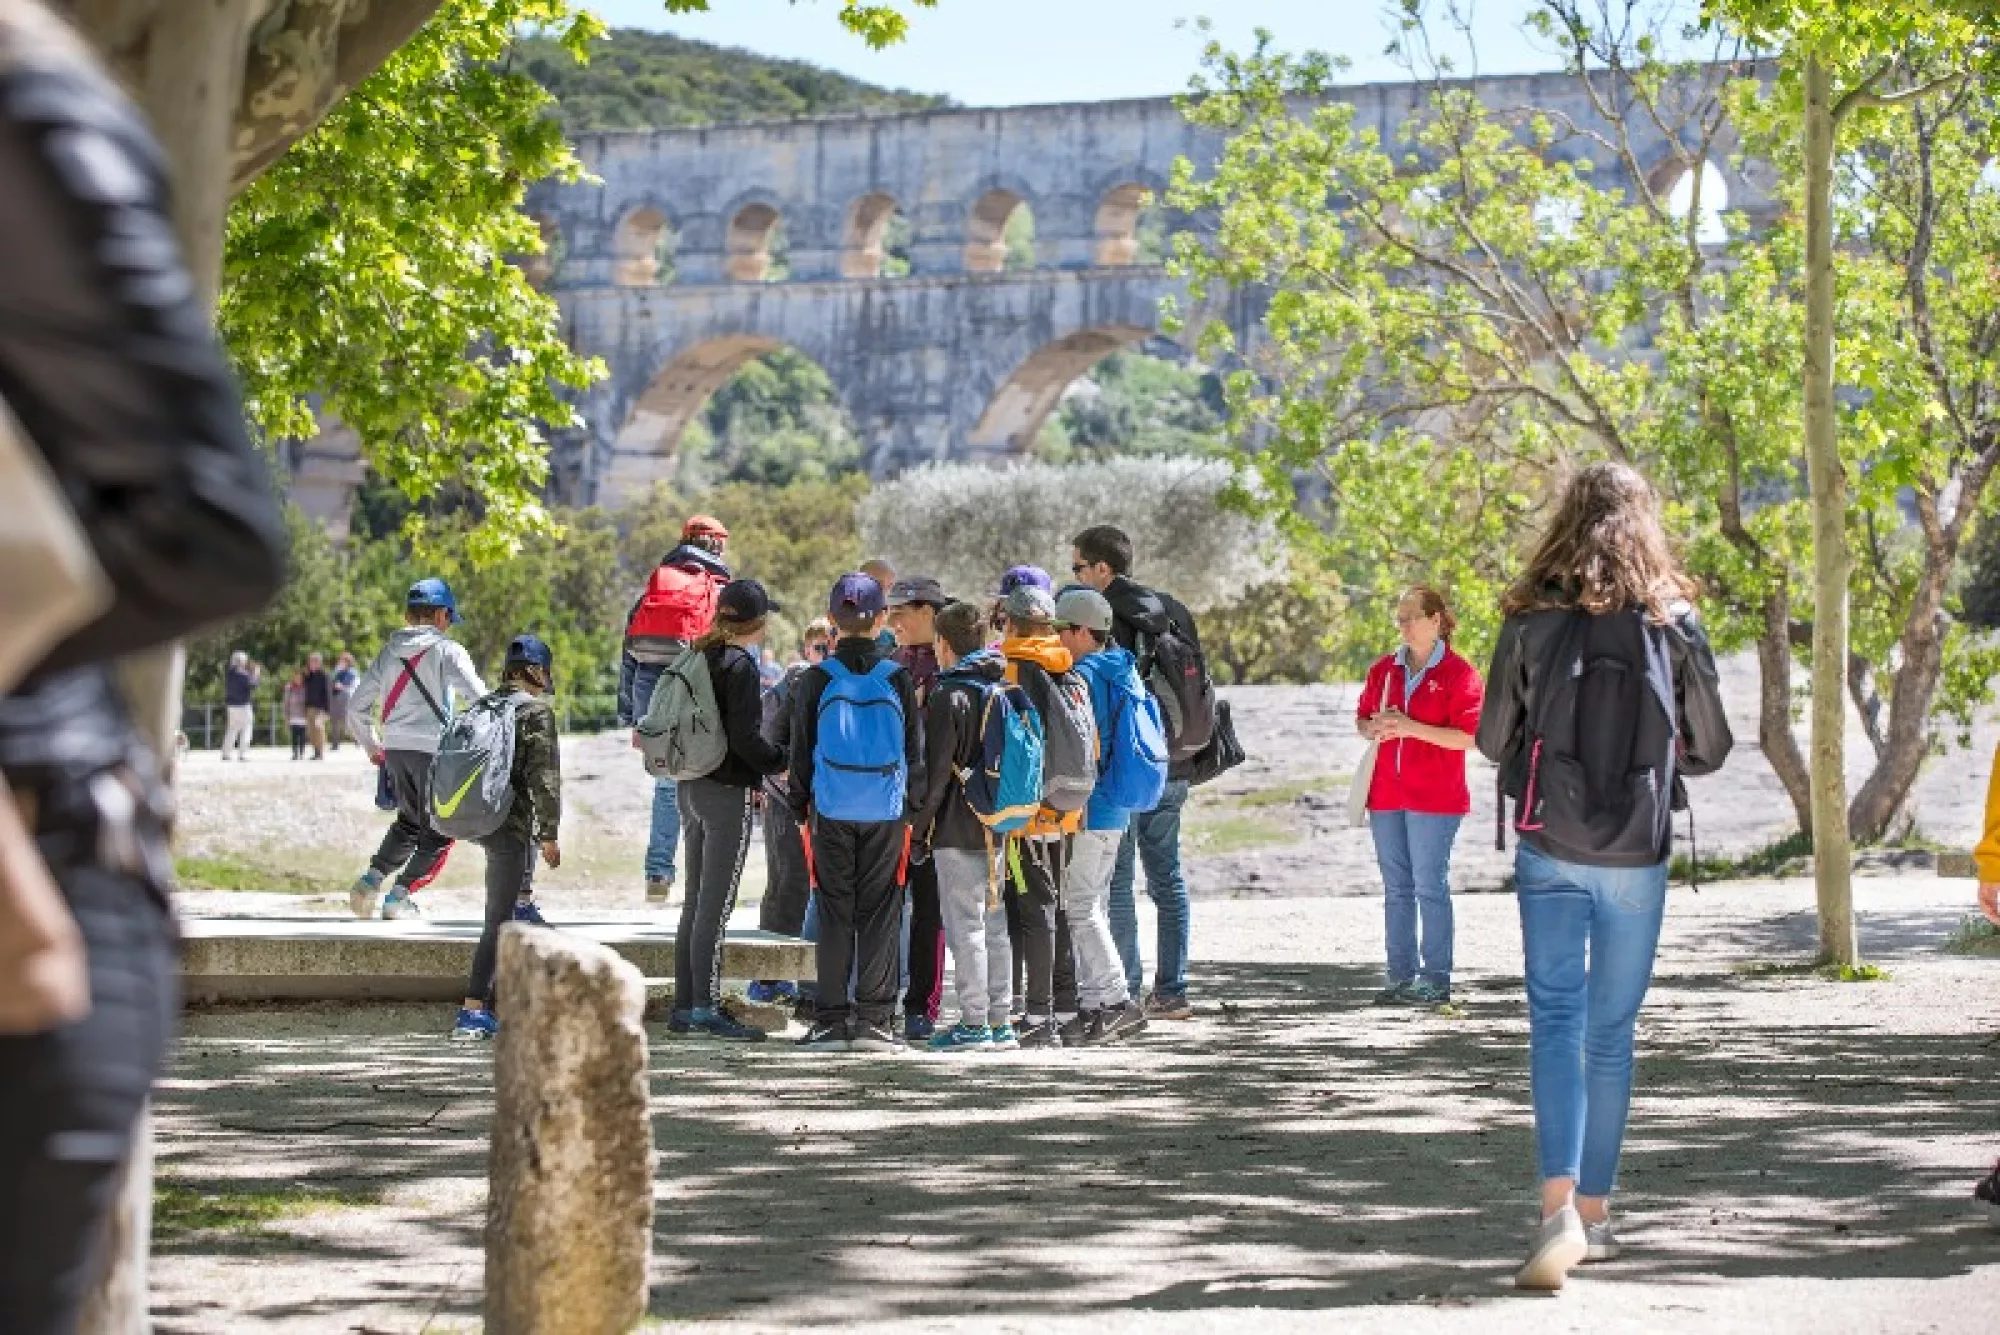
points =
(637, 80)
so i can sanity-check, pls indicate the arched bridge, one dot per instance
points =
(878, 246)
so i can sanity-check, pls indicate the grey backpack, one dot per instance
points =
(472, 777)
(681, 735)
(1069, 754)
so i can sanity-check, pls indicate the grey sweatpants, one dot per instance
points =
(982, 961)
(715, 838)
(1100, 974)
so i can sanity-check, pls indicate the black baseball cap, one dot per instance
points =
(744, 600)
(920, 591)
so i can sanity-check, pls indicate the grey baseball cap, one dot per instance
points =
(1083, 607)
(1028, 603)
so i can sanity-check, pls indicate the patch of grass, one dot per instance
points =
(1773, 859)
(1286, 794)
(1832, 973)
(181, 1210)
(232, 874)
(1234, 834)
(1974, 935)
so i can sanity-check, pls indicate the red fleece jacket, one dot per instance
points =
(1412, 775)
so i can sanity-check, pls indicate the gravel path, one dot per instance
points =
(1800, 1158)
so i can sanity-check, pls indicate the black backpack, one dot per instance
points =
(1601, 777)
(1174, 672)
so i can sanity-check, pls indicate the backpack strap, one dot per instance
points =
(885, 669)
(410, 668)
(835, 669)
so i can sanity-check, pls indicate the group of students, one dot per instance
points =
(938, 776)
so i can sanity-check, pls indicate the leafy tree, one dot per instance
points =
(776, 421)
(1459, 318)
(1134, 403)
(1840, 60)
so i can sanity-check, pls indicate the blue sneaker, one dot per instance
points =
(766, 993)
(918, 1028)
(1003, 1038)
(525, 911)
(474, 1025)
(680, 1022)
(398, 904)
(962, 1038)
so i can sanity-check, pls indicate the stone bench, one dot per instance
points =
(1957, 865)
(332, 959)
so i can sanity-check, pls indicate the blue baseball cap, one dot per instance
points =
(432, 594)
(856, 595)
(530, 651)
(1021, 577)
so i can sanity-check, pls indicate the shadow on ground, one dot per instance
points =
(1292, 1149)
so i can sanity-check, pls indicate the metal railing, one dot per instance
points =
(203, 722)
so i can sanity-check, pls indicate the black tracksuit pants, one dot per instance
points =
(411, 843)
(510, 878)
(786, 884)
(1044, 966)
(860, 916)
(926, 990)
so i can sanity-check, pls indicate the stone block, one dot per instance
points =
(569, 1216)
(1956, 864)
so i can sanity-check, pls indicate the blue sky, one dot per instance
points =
(1004, 52)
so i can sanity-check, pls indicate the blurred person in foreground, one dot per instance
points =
(111, 371)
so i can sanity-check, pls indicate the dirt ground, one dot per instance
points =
(1800, 1158)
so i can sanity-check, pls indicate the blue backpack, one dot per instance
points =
(1132, 772)
(859, 770)
(1003, 786)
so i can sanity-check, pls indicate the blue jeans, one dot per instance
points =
(1413, 849)
(664, 843)
(1155, 838)
(1587, 937)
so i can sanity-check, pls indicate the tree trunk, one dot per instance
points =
(1832, 849)
(1774, 708)
(1895, 773)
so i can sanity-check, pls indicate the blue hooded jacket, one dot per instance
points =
(1102, 670)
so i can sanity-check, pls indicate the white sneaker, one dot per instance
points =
(1559, 1246)
(1601, 1244)
(399, 904)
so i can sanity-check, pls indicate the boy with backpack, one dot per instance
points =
(981, 738)
(498, 780)
(1131, 775)
(676, 609)
(415, 680)
(1037, 856)
(1161, 635)
(857, 756)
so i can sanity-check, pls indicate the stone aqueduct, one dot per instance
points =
(960, 358)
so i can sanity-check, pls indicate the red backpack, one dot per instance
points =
(677, 607)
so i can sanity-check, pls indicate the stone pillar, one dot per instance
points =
(569, 1216)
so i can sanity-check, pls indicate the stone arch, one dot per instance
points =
(1016, 411)
(1675, 181)
(753, 230)
(642, 247)
(1120, 208)
(986, 229)
(862, 238)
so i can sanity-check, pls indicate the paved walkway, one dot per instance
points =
(1800, 1159)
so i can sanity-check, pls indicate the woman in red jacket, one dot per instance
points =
(1421, 706)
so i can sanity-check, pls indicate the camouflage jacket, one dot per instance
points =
(537, 779)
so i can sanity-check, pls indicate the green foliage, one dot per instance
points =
(631, 79)
(1019, 236)
(777, 421)
(1461, 316)
(879, 25)
(369, 267)
(1282, 631)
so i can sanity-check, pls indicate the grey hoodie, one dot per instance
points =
(408, 723)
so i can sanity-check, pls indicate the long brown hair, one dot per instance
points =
(1603, 551)
(722, 631)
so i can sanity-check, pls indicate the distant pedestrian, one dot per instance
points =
(769, 670)
(294, 704)
(1986, 859)
(1602, 697)
(1419, 706)
(319, 703)
(345, 675)
(239, 686)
